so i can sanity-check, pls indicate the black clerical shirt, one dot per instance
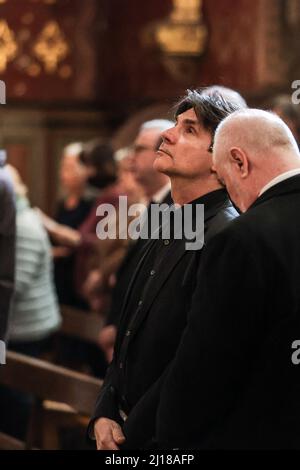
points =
(156, 254)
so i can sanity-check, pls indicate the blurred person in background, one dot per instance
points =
(95, 260)
(7, 247)
(72, 210)
(144, 149)
(112, 253)
(101, 171)
(156, 187)
(283, 106)
(35, 313)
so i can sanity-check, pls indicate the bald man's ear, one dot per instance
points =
(239, 160)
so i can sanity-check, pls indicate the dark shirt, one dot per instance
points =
(64, 268)
(75, 216)
(127, 268)
(149, 333)
(156, 254)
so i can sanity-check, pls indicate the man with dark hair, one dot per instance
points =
(7, 246)
(235, 382)
(157, 301)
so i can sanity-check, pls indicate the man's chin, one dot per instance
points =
(160, 164)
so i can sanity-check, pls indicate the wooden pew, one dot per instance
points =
(80, 324)
(46, 381)
(10, 443)
(76, 342)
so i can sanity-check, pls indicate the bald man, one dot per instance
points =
(235, 382)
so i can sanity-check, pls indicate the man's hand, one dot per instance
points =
(108, 434)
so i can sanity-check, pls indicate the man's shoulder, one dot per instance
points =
(244, 228)
(225, 215)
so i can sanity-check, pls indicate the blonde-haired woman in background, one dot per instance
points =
(72, 210)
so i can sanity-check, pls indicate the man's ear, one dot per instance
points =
(239, 159)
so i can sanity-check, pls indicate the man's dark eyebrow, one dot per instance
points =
(190, 122)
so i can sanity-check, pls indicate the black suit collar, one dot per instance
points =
(290, 185)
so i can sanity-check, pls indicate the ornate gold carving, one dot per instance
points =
(8, 45)
(183, 34)
(51, 47)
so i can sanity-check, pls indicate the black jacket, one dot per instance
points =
(126, 270)
(146, 345)
(233, 383)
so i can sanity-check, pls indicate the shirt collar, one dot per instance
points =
(284, 176)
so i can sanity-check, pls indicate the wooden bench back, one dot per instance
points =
(47, 381)
(79, 324)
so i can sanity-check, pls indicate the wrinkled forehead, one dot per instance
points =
(189, 118)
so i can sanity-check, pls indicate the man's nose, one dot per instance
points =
(168, 135)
